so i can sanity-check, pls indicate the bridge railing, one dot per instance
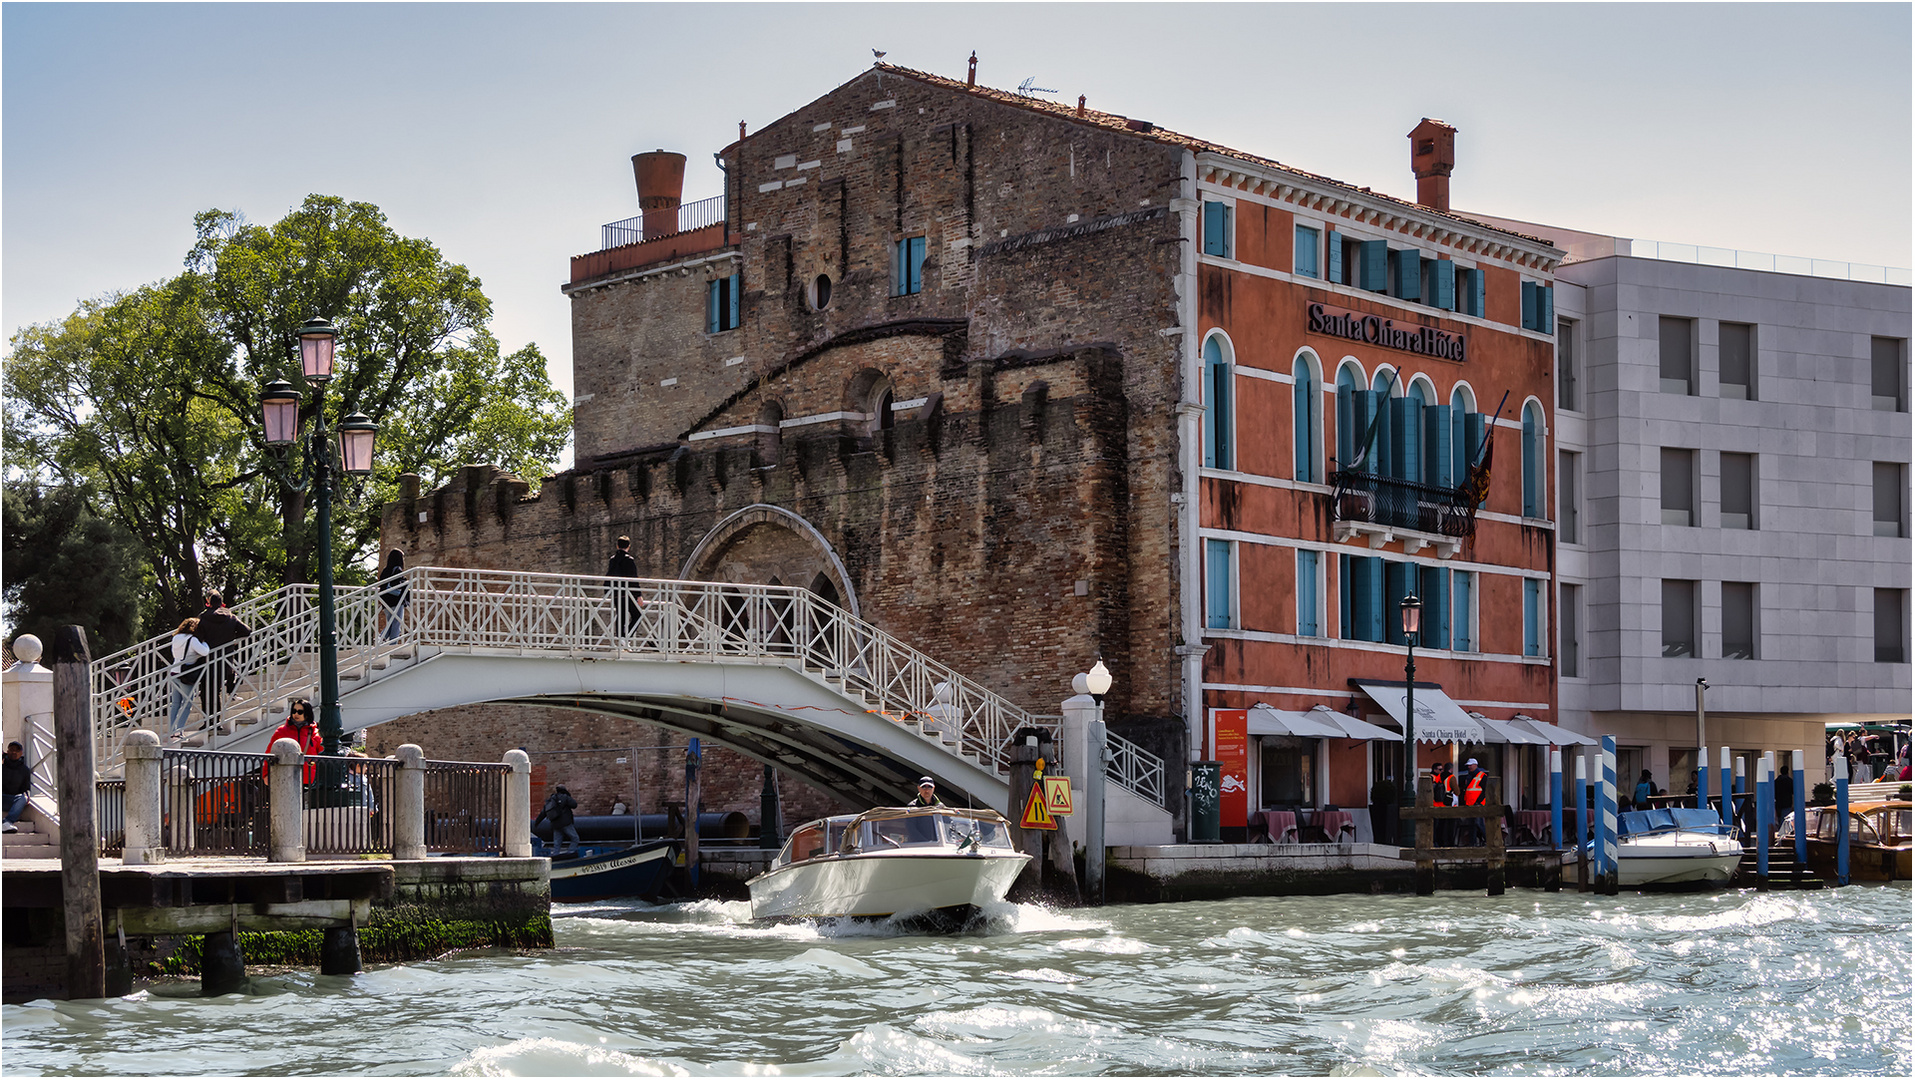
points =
(452, 608)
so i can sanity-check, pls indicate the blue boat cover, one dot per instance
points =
(1689, 818)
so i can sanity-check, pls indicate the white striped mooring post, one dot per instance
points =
(1764, 806)
(1608, 867)
(1728, 804)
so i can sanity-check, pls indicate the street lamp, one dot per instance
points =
(1096, 683)
(313, 469)
(1412, 611)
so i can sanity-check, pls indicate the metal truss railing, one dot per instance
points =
(463, 609)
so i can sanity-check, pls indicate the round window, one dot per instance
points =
(821, 292)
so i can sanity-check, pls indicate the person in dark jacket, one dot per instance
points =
(392, 593)
(219, 628)
(558, 813)
(16, 779)
(625, 597)
(927, 793)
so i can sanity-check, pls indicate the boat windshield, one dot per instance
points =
(1896, 822)
(970, 833)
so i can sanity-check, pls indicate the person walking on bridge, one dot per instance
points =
(392, 593)
(219, 628)
(625, 597)
(16, 779)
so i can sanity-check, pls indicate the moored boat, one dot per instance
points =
(1674, 846)
(940, 863)
(1879, 842)
(609, 873)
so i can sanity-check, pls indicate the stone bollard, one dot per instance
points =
(286, 799)
(517, 833)
(145, 839)
(409, 804)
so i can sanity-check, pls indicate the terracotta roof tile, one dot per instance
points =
(1146, 130)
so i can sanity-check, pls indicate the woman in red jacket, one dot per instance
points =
(299, 728)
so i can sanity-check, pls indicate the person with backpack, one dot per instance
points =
(392, 593)
(625, 596)
(189, 660)
(557, 812)
(219, 628)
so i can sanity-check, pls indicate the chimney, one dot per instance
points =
(661, 185)
(971, 79)
(1080, 104)
(1432, 157)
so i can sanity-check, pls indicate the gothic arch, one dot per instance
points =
(771, 536)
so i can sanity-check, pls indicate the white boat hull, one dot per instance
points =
(1674, 859)
(883, 884)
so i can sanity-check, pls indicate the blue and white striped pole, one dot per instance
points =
(1801, 812)
(1556, 795)
(1841, 819)
(1741, 786)
(1582, 799)
(1606, 826)
(1702, 778)
(1728, 811)
(1764, 806)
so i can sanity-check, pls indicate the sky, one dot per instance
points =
(503, 132)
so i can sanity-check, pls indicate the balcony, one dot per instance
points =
(656, 236)
(1384, 508)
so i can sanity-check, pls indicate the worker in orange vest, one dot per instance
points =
(1444, 783)
(1474, 779)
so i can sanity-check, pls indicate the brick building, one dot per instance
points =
(1017, 381)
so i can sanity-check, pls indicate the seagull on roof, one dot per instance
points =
(879, 53)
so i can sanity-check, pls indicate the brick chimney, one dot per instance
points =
(661, 186)
(1432, 157)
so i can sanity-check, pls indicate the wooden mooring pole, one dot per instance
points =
(79, 825)
(1492, 851)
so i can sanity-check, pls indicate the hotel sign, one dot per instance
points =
(1377, 330)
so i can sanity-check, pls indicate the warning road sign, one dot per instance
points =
(1057, 794)
(1036, 814)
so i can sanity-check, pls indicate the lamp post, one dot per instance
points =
(1412, 610)
(314, 470)
(1096, 750)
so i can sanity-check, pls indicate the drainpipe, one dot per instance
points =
(722, 167)
(1190, 457)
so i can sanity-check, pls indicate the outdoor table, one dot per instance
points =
(1282, 826)
(1537, 822)
(1333, 822)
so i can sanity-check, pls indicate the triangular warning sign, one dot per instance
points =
(1036, 814)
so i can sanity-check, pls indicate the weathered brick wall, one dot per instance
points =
(1015, 524)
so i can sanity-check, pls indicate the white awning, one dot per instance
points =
(1508, 731)
(1438, 719)
(1265, 720)
(1555, 736)
(1354, 728)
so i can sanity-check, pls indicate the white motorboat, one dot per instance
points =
(940, 863)
(1675, 845)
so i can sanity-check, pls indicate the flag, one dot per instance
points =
(1475, 486)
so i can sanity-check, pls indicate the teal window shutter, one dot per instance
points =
(1217, 584)
(1305, 259)
(735, 313)
(917, 263)
(1443, 284)
(1406, 439)
(1476, 292)
(1216, 229)
(1399, 579)
(711, 306)
(1409, 274)
(1308, 624)
(1532, 617)
(1304, 437)
(1546, 308)
(1529, 305)
(1439, 458)
(1366, 599)
(1375, 271)
(1363, 406)
(1333, 258)
(1346, 575)
(1462, 610)
(1436, 606)
(901, 258)
(1217, 445)
(1532, 464)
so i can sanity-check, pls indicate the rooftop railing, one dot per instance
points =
(662, 223)
(1757, 260)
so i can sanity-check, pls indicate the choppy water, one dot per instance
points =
(1529, 983)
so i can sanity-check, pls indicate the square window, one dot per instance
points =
(1889, 494)
(1309, 594)
(722, 304)
(1306, 251)
(1891, 626)
(1676, 339)
(1738, 620)
(1568, 509)
(1566, 361)
(1737, 350)
(1217, 231)
(1569, 630)
(1219, 585)
(1678, 486)
(909, 260)
(1463, 610)
(1535, 617)
(1678, 618)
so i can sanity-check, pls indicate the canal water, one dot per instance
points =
(1721, 983)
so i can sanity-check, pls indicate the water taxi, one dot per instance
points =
(1879, 842)
(1674, 846)
(937, 863)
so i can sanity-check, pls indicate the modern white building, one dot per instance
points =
(1732, 499)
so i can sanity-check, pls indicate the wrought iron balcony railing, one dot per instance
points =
(1402, 504)
(662, 223)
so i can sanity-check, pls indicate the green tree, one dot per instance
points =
(153, 394)
(67, 565)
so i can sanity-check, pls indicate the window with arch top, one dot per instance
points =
(1306, 419)
(1219, 442)
(1533, 437)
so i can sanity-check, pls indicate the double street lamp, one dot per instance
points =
(1412, 612)
(317, 470)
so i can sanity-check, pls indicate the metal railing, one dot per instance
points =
(1136, 768)
(1401, 504)
(357, 818)
(1756, 260)
(509, 610)
(465, 805)
(109, 813)
(214, 803)
(686, 218)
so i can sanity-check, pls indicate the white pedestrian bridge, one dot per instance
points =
(778, 674)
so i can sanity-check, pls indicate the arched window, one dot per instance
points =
(1386, 442)
(1352, 414)
(1218, 437)
(1306, 418)
(1533, 437)
(1463, 436)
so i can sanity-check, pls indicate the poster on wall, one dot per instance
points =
(1230, 748)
